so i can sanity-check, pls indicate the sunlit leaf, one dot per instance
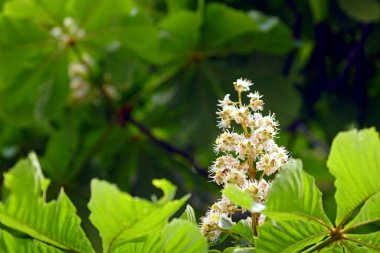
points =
(120, 217)
(361, 10)
(178, 236)
(189, 214)
(303, 199)
(354, 161)
(369, 213)
(370, 242)
(288, 236)
(25, 209)
(9, 243)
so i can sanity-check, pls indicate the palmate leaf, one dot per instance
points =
(31, 58)
(288, 236)
(182, 31)
(369, 213)
(294, 206)
(11, 244)
(232, 24)
(120, 217)
(302, 200)
(242, 228)
(354, 160)
(368, 241)
(24, 208)
(252, 31)
(333, 248)
(176, 237)
(351, 247)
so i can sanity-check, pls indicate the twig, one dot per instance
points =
(169, 147)
(126, 117)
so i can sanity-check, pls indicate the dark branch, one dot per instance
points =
(125, 116)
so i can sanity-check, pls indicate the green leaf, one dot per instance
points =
(182, 236)
(369, 241)
(335, 247)
(10, 243)
(59, 152)
(175, 5)
(273, 37)
(25, 209)
(46, 11)
(244, 32)
(231, 23)
(181, 32)
(242, 228)
(120, 217)
(288, 236)
(100, 14)
(294, 195)
(167, 188)
(241, 198)
(320, 9)
(353, 247)
(361, 10)
(369, 213)
(150, 244)
(31, 61)
(189, 215)
(239, 250)
(354, 161)
(16, 40)
(178, 236)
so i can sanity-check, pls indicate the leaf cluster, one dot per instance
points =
(30, 223)
(296, 221)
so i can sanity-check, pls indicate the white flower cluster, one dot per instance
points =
(79, 86)
(67, 34)
(243, 156)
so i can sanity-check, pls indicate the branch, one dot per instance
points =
(125, 117)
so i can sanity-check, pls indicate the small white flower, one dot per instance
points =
(68, 33)
(246, 148)
(224, 205)
(225, 102)
(241, 115)
(225, 116)
(210, 225)
(251, 187)
(263, 187)
(255, 102)
(56, 32)
(242, 85)
(77, 69)
(68, 22)
(262, 218)
(227, 142)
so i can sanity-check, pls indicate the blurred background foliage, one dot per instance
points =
(155, 70)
